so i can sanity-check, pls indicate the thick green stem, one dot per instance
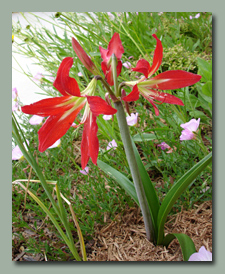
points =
(106, 85)
(125, 135)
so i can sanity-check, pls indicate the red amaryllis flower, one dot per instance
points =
(63, 110)
(84, 58)
(149, 88)
(114, 46)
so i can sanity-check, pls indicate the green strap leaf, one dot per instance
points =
(186, 244)
(125, 183)
(144, 137)
(176, 191)
(150, 193)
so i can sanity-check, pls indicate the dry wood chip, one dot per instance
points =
(124, 240)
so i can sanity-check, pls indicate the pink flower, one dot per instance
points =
(201, 255)
(189, 128)
(38, 77)
(80, 74)
(132, 119)
(111, 145)
(85, 171)
(196, 16)
(36, 120)
(163, 146)
(17, 153)
(111, 16)
(107, 117)
(15, 104)
(14, 94)
(127, 65)
(56, 144)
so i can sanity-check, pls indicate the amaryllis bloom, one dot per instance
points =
(111, 145)
(168, 80)
(63, 110)
(17, 153)
(132, 119)
(85, 171)
(201, 255)
(36, 120)
(114, 46)
(84, 58)
(189, 128)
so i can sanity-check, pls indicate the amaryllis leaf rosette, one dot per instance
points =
(150, 88)
(62, 111)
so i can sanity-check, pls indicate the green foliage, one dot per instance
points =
(180, 58)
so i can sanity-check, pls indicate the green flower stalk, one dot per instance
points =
(125, 135)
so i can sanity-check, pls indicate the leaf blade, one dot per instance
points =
(122, 180)
(176, 191)
(186, 243)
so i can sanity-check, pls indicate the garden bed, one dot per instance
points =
(123, 239)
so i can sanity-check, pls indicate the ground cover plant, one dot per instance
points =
(169, 139)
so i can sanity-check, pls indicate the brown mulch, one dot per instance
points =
(124, 238)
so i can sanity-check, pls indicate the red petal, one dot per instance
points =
(142, 66)
(119, 68)
(109, 73)
(175, 79)
(63, 83)
(104, 54)
(109, 76)
(158, 55)
(99, 106)
(123, 94)
(49, 106)
(154, 106)
(115, 46)
(166, 98)
(82, 55)
(89, 143)
(133, 96)
(54, 128)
